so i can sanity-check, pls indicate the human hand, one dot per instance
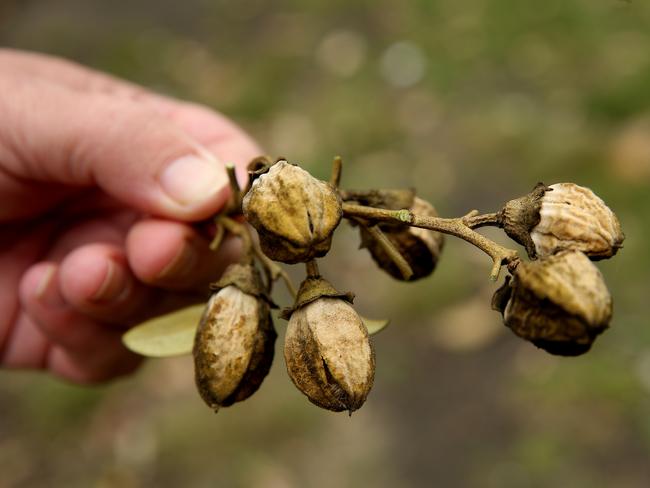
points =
(99, 181)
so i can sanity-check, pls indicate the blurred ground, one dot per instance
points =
(471, 102)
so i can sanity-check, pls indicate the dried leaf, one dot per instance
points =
(167, 335)
(374, 325)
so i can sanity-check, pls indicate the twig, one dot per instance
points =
(218, 237)
(234, 188)
(337, 168)
(240, 231)
(251, 249)
(275, 271)
(485, 220)
(459, 227)
(390, 249)
(312, 269)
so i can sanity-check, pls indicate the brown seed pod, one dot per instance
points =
(420, 247)
(573, 217)
(562, 216)
(560, 303)
(234, 343)
(393, 199)
(327, 350)
(256, 167)
(294, 213)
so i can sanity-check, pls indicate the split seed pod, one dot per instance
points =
(420, 248)
(327, 350)
(562, 216)
(234, 343)
(560, 303)
(294, 213)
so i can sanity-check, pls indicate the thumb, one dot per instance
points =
(49, 134)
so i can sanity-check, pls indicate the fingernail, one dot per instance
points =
(47, 292)
(114, 284)
(192, 180)
(183, 263)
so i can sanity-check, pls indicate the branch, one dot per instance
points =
(459, 227)
(312, 269)
(240, 231)
(485, 220)
(337, 167)
(390, 249)
(234, 188)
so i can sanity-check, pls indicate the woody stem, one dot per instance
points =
(271, 268)
(389, 248)
(460, 227)
(312, 269)
(484, 220)
(240, 231)
(337, 167)
(251, 249)
(275, 271)
(234, 188)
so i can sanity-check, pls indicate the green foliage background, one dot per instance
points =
(471, 102)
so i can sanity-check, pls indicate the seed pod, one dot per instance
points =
(294, 213)
(420, 247)
(381, 198)
(562, 216)
(234, 343)
(256, 167)
(560, 303)
(327, 350)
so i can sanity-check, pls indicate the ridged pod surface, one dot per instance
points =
(233, 346)
(573, 217)
(420, 247)
(560, 303)
(294, 213)
(328, 354)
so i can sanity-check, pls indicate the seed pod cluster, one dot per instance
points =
(558, 301)
(234, 343)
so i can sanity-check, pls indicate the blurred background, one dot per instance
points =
(471, 102)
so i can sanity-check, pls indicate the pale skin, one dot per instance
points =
(101, 184)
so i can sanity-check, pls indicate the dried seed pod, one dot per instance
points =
(420, 247)
(560, 303)
(327, 350)
(294, 213)
(381, 198)
(256, 167)
(562, 216)
(573, 217)
(234, 343)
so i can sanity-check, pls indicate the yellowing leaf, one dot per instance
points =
(167, 335)
(374, 326)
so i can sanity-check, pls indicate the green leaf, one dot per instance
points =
(167, 335)
(375, 325)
